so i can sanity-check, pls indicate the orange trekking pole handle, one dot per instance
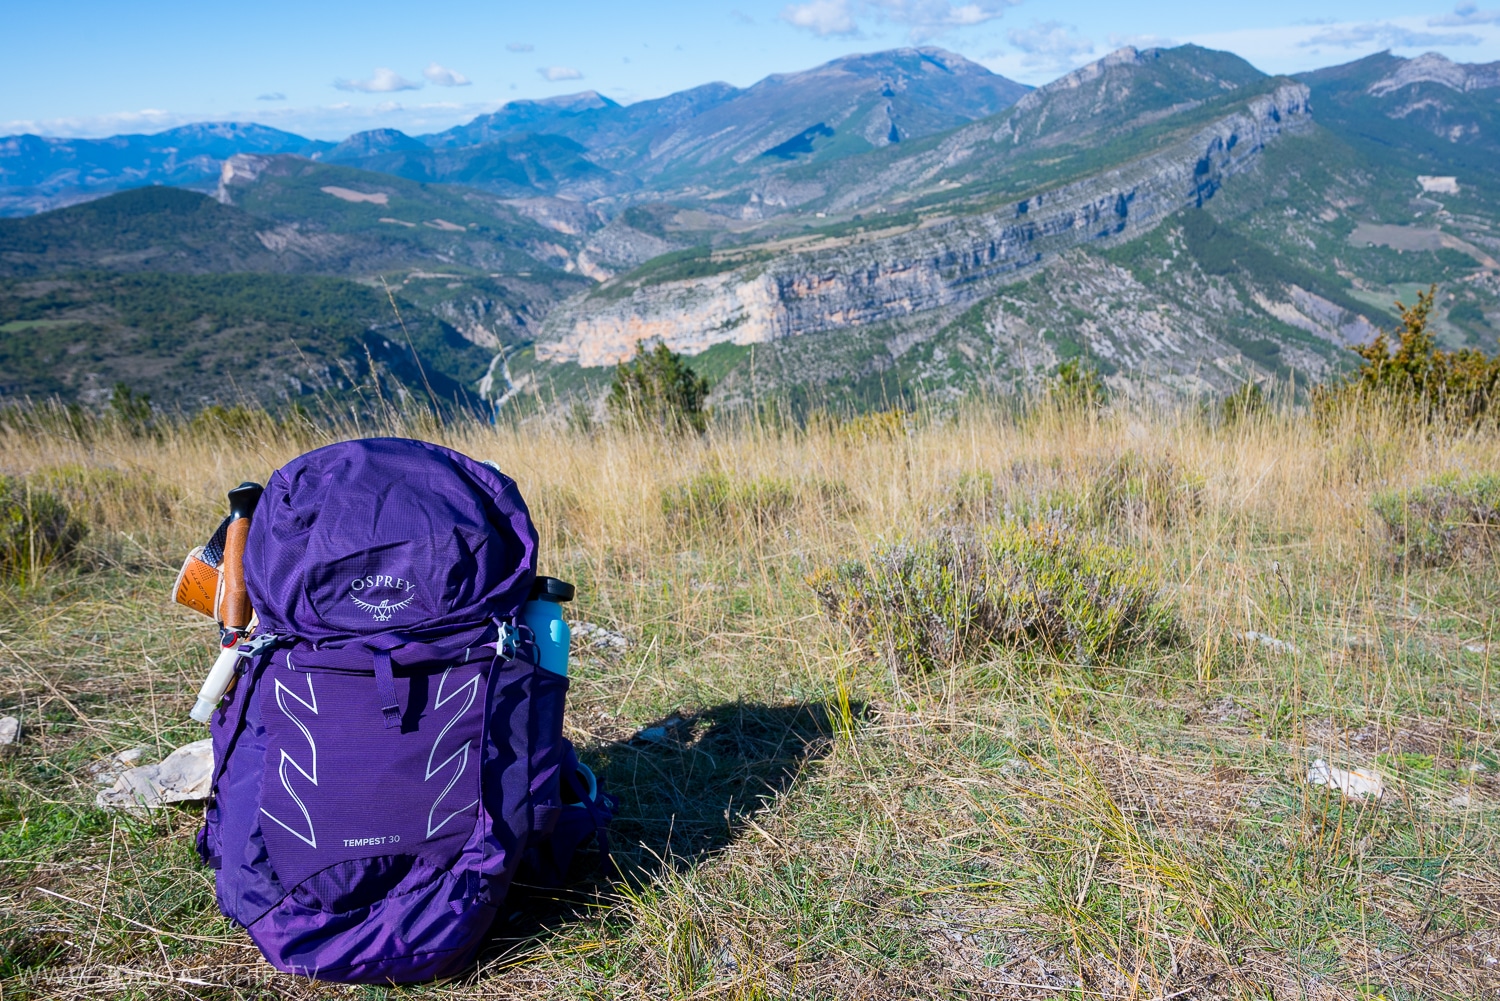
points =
(234, 606)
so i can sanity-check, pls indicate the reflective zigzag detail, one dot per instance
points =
(471, 689)
(311, 705)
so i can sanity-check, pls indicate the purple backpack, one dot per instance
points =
(391, 754)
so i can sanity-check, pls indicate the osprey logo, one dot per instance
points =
(362, 593)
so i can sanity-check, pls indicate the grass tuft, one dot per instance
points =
(1449, 521)
(921, 606)
(37, 530)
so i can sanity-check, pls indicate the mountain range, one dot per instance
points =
(887, 225)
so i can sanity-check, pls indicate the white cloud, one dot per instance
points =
(520, 47)
(556, 73)
(1050, 43)
(274, 96)
(1386, 35)
(824, 18)
(1119, 41)
(923, 19)
(1465, 13)
(146, 120)
(442, 76)
(385, 81)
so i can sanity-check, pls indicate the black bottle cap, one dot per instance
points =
(552, 589)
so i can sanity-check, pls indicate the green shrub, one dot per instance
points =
(1138, 492)
(132, 410)
(1075, 386)
(1246, 403)
(112, 499)
(877, 425)
(657, 388)
(712, 501)
(232, 423)
(37, 530)
(1450, 520)
(1417, 378)
(925, 605)
(68, 421)
(973, 497)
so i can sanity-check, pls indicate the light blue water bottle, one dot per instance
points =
(543, 616)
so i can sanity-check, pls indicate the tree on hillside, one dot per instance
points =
(657, 388)
(1458, 385)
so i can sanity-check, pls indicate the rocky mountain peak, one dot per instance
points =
(1434, 67)
(371, 142)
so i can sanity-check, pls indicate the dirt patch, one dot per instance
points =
(350, 195)
(1416, 238)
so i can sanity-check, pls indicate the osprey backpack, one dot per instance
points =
(391, 753)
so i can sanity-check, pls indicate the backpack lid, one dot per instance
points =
(387, 537)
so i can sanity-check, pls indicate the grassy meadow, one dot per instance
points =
(845, 768)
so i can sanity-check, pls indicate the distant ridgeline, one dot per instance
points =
(884, 227)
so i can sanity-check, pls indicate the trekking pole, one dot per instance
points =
(233, 603)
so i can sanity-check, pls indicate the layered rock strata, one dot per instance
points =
(942, 262)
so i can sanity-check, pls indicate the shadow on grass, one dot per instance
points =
(685, 787)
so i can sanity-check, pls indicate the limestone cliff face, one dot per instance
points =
(941, 262)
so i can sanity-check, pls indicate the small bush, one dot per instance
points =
(925, 605)
(232, 423)
(657, 388)
(1417, 379)
(1075, 386)
(1248, 403)
(713, 500)
(131, 410)
(1451, 520)
(973, 497)
(112, 499)
(1139, 492)
(68, 421)
(37, 530)
(878, 425)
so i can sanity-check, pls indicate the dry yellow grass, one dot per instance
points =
(815, 826)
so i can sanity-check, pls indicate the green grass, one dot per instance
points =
(814, 824)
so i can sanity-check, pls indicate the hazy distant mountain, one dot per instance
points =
(844, 107)
(1430, 109)
(38, 173)
(516, 165)
(550, 114)
(372, 143)
(579, 145)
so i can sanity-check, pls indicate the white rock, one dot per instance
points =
(1461, 802)
(1479, 648)
(663, 734)
(590, 636)
(10, 733)
(1355, 784)
(186, 775)
(106, 770)
(1269, 642)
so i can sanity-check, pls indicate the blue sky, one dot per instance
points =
(327, 69)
